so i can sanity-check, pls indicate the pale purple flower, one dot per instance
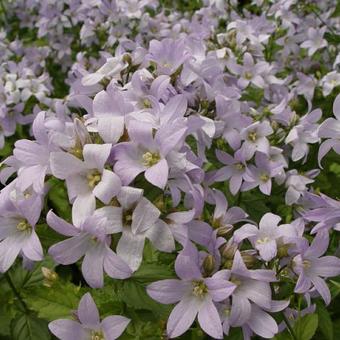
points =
(268, 236)
(19, 214)
(312, 267)
(329, 82)
(249, 72)
(330, 129)
(305, 132)
(152, 154)
(89, 237)
(89, 179)
(137, 218)
(254, 137)
(88, 324)
(297, 185)
(110, 70)
(109, 111)
(196, 296)
(168, 55)
(252, 287)
(326, 213)
(315, 40)
(261, 174)
(234, 171)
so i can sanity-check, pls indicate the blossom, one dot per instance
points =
(137, 218)
(146, 153)
(19, 214)
(268, 236)
(315, 40)
(312, 267)
(88, 324)
(89, 179)
(254, 137)
(89, 237)
(196, 296)
(330, 129)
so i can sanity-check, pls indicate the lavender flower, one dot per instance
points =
(88, 324)
(195, 293)
(312, 267)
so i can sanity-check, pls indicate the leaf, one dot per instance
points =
(306, 326)
(325, 322)
(58, 199)
(335, 288)
(135, 296)
(55, 302)
(28, 327)
(153, 272)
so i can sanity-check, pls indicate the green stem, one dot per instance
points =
(16, 293)
(291, 331)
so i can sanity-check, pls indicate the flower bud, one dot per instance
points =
(209, 265)
(228, 251)
(248, 258)
(50, 276)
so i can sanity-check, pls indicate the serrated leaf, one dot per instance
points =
(325, 322)
(306, 327)
(152, 272)
(135, 296)
(54, 302)
(28, 327)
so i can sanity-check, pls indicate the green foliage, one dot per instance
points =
(306, 326)
(28, 327)
(325, 322)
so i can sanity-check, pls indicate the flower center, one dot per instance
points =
(264, 177)
(306, 264)
(147, 103)
(236, 281)
(127, 218)
(150, 158)
(263, 240)
(97, 335)
(24, 226)
(248, 75)
(93, 178)
(199, 288)
(252, 136)
(239, 166)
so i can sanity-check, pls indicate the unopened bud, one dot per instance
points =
(127, 59)
(50, 276)
(282, 250)
(248, 258)
(209, 265)
(228, 251)
(224, 230)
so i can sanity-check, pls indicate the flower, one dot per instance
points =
(196, 295)
(315, 40)
(88, 324)
(312, 267)
(89, 238)
(268, 236)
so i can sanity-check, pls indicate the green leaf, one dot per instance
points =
(58, 198)
(53, 302)
(306, 326)
(325, 322)
(28, 327)
(135, 296)
(152, 272)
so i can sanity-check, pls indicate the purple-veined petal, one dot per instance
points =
(168, 291)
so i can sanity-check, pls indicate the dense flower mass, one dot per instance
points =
(174, 163)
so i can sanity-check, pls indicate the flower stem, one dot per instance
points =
(291, 331)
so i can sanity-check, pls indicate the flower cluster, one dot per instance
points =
(198, 132)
